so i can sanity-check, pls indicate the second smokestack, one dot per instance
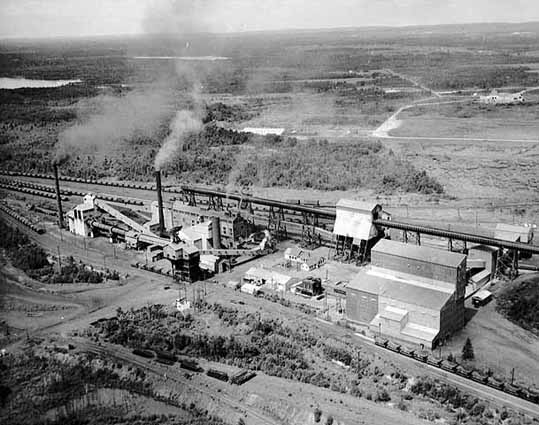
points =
(160, 203)
(58, 197)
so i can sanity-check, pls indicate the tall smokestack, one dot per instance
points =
(160, 203)
(216, 232)
(58, 198)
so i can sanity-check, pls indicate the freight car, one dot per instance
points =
(23, 220)
(242, 377)
(143, 353)
(191, 365)
(165, 355)
(529, 394)
(217, 374)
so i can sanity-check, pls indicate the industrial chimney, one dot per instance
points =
(160, 203)
(216, 232)
(58, 197)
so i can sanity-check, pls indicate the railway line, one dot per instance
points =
(457, 369)
(462, 382)
(119, 354)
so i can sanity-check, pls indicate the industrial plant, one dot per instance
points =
(409, 283)
(316, 226)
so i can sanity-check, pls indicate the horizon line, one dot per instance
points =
(267, 31)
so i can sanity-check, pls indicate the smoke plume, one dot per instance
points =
(106, 121)
(185, 123)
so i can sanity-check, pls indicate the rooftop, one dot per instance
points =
(354, 221)
(421, 253)
(410, 289)
(264, 131)
(267, 275)
(365, 206)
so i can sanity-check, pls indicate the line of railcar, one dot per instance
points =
(527, 394)
(23, 220)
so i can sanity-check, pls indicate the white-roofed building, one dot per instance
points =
(354, 229)
(264, 131)
(275, 281)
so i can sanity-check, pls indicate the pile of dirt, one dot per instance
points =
(519, 302)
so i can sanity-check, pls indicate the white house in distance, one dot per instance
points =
(264, 131)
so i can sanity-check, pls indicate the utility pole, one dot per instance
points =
(512, 375)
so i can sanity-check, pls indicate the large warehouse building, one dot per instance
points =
(409, 293)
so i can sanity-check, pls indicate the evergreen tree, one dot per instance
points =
(467, 350)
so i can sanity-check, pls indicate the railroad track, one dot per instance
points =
(47, 191)
(118, 355)
(457, 369)
(14, 216)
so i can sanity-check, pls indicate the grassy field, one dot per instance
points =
(471, 120)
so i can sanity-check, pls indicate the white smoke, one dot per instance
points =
(105, 121)
(183, 124)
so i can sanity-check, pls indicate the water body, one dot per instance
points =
(18, 83)
(184, 58)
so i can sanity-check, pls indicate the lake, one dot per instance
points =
(17, 83)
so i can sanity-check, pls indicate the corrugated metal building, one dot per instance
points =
(354, 220)
(409, 293)
(354, 230)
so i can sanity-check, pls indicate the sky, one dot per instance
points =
(53, 18)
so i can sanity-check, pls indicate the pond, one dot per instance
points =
(17, 83)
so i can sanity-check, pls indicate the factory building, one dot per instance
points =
(179, 214)
(78, 217)
(185, 260)
(409, 293)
